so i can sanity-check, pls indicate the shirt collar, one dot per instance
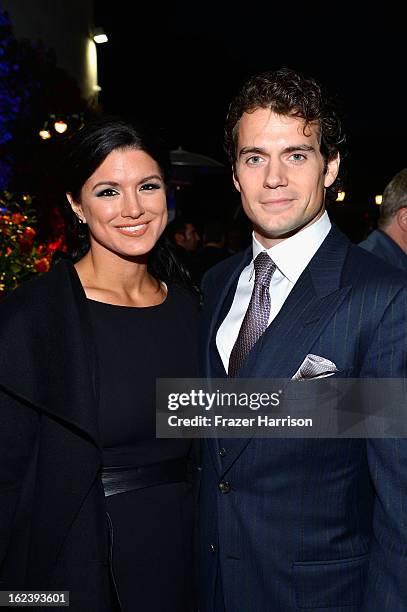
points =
(292, 255)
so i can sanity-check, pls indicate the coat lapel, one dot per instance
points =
(47, 361)
(283, 347)
(214, 302)
(48, 358)
(307, 311)
(213, 314)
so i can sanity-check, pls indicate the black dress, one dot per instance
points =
(152, 527)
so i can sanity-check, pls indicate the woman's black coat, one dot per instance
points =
(53, 524)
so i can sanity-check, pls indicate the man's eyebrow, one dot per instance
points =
(289, 149)
(245, 150)
(303, 147)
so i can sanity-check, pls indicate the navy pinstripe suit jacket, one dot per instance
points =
(310, 524)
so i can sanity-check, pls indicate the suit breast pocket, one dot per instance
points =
(330, 584)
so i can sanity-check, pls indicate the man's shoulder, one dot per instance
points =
(372, 241)
(382, 245)
(367, 268)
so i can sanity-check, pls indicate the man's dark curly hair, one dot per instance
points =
(286, 92)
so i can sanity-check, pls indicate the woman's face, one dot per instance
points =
(124, 204)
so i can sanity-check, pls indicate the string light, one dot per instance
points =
(60, 126)
(341, 196)
(44, 134)
(378, 199)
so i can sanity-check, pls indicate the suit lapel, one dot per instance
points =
(215, 304)
(287, 341)
(218, 300)
(308, 309)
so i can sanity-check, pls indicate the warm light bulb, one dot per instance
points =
(45, 134)
(341, 196)
(60, 126)
(378, 199)
(100, 38)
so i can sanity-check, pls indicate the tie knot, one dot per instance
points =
(264, 268)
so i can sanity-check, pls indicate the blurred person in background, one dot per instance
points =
(389, 241)
(237, 237)
(213, 250)
(181, 234)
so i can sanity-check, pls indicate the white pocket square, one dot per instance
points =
(315, 366)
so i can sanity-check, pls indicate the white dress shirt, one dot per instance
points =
(291, 257)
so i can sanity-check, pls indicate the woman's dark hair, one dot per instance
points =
(83, 153)
(286, 92)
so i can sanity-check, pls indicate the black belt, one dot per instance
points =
(123, 479)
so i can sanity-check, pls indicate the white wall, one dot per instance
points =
(63, 25)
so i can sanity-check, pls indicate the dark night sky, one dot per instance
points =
(180, 66)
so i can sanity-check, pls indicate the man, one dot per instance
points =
(182, 233)
(184, 240)
(389, 241)
(300, 524)
(213, 250)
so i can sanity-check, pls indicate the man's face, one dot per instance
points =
(280, 174)
(189, 239)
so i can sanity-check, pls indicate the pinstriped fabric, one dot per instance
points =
(257, 314)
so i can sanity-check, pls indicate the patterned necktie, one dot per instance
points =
(257, 314)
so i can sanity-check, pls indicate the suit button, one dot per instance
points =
(224, 487)
(212, 548)
(222, 452)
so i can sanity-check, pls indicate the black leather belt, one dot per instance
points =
(123, 479)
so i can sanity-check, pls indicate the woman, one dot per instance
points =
(91, 502)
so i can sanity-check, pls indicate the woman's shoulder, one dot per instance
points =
(38, 291)
(37, 316)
